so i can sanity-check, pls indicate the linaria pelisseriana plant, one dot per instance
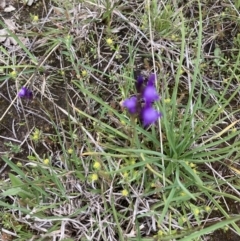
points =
(128, 180)
(147, 92)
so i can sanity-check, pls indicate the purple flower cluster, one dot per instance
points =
(147, 91)
(25, 93)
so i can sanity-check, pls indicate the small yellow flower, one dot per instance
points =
(226, 228)
(19, 164)
(207, 209)
(196, 211)
(125, 175)
(46, 161)
(94, 177)
(225, 80)
(132, 161)
(202, 65)
(70, 151)
(160, 233)
(234, 130)
(109, 41)
(125, 192)
(167, 101)
(13, 74)
(36, 135)
(182, 71)
(153, 184)
(35, 18)
(84, 73)
(192, 164)
(97, 165)
(123, 122)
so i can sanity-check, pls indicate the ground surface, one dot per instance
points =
(51, 145)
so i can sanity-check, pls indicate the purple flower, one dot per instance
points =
(149, 115)
(150, 94)
(151, 80)
(131, 104)
(25, 93)
(139, 83)
(147, 91)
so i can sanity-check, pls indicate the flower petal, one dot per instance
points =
(131, 104)
(150, 94)
(25, 93)
(139, 83)
(149, 115)
(152, 80)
